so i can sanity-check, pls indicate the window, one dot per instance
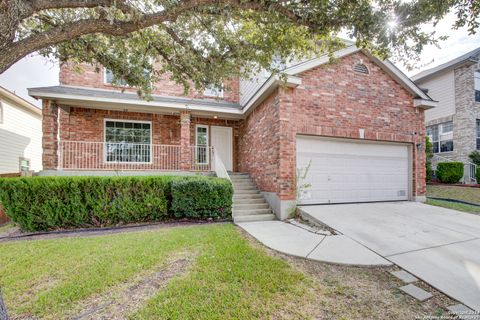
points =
(201, 152)
(213, 91)
(127, 141)
(476, 78)
(24, 164)
(110, 78)
(441, 136)
(478, 134)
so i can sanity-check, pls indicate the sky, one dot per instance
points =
(35, 71)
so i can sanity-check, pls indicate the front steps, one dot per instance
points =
(248, 203)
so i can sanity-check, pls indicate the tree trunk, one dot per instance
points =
(3, 309)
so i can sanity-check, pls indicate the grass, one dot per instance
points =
(6, 227)
(455, 206)
(453, 192)
(230, 277)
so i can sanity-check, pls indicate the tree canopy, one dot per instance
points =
(204, 42)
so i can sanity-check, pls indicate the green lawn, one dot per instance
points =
(452, 192)
(228, 277)
(454, 206)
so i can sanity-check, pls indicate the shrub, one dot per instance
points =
(202, 198)
(450, 172)
(475, 157)
(43, 203)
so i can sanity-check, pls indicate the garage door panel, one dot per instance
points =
(345, 171)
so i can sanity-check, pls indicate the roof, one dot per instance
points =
(7, 94)
(469, 57)
(100, 97)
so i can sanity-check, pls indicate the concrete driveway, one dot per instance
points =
(440, 246)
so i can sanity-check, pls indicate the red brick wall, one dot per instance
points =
(93, 77)
(331, 101)
(259, 147)
(82, 124)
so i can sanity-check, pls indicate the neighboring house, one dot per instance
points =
(454, 126)
(20, 134)
(356, 125)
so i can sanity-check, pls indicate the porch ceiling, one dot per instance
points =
(121, 101)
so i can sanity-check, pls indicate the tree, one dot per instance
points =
(205, 41)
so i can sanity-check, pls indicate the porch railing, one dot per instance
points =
(82, 155)
(201, 158)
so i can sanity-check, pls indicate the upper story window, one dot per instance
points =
(476, 77)
(213, 91)
(110, 78)
(128, 141)
(441, 136)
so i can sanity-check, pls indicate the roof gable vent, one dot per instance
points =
(360, 68)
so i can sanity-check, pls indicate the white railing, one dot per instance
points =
(201, 158)
(219, 167)
(469, 168)
(82, 155)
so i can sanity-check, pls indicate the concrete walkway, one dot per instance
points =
(440, 246)
(293, 240)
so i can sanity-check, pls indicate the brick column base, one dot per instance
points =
(50, 135)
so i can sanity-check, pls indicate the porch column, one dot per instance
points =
(186, 153)
(50, 135)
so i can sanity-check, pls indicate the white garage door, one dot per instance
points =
(341, 171)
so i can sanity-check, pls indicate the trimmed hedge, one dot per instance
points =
(202, 198)
(449, 172)
(45, 203)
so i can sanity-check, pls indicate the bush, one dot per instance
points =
(450, 172)
(475, 157)
(202, 198)
(44, 203)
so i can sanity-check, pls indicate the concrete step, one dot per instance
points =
(250, 206)
(249, 201)
(243, 188)
(247, 196)
(238, 174)
(258, 217)
(242, 192)
(251, 212)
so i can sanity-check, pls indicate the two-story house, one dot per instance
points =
(454, 126)
(355, 125)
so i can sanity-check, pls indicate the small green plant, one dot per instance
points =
(450, 172)
(301, 186)
(475, 157)
(428, 159)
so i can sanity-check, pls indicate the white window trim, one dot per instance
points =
(206, 146)
(105, 141)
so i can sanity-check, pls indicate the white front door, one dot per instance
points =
(222, 141)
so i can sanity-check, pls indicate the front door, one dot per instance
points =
(222, 141)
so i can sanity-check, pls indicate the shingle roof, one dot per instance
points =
(41, 92)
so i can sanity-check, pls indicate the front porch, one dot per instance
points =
(78, 139)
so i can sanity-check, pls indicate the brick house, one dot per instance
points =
(454, 126)
(348, 131)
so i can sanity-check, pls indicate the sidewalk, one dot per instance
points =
(296, 241)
